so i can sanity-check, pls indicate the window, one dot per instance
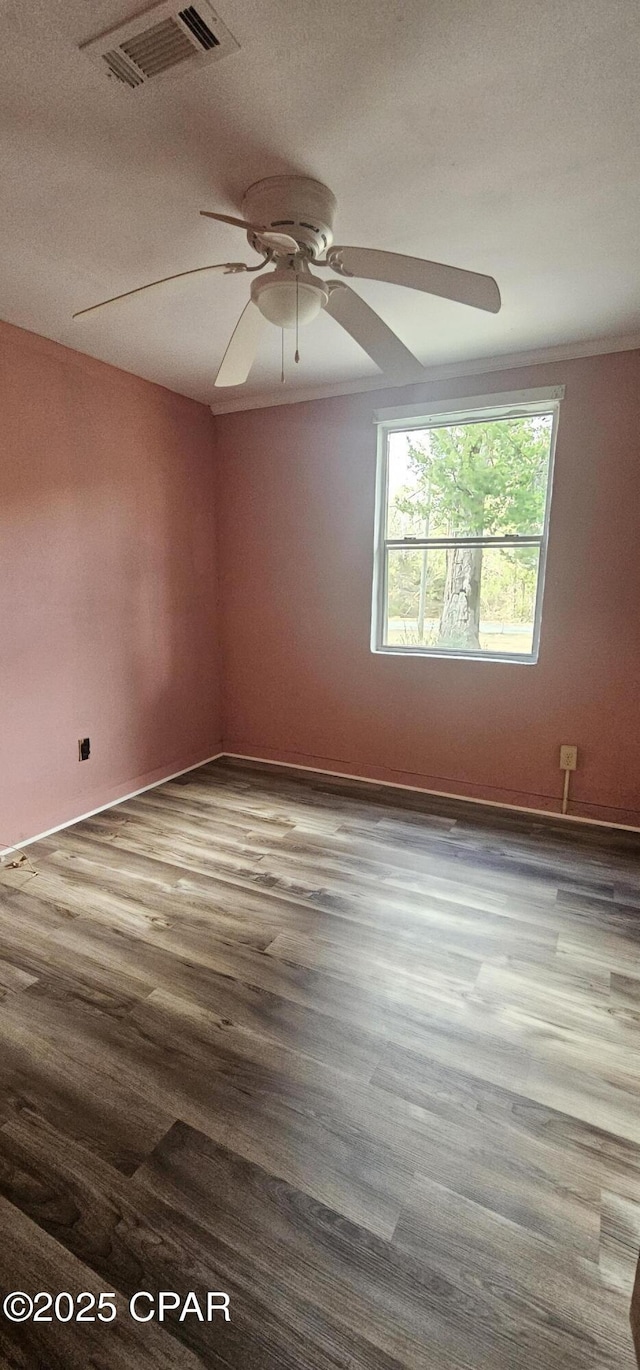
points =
(462, 517)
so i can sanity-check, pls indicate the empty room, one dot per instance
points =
(320, 685)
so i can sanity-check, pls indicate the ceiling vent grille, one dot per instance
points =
(199, 29)
(158, 41)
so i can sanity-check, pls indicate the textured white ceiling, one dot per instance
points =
(503, 136)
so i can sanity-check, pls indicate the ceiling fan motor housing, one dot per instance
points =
(298, 206)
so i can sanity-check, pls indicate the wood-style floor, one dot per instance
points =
(373, 1072)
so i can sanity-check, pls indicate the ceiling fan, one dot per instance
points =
(289, 222)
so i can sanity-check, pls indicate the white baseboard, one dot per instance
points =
(71, 822)
(320, 770)
(437, 794)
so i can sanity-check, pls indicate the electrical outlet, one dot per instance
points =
(568, 758)
(84, 748)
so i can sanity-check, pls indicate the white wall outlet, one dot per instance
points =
(568, 758)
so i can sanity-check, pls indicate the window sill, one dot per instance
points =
(428, 653)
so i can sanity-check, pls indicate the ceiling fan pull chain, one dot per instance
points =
(282, 355)
(297, 356)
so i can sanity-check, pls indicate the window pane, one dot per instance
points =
(464, 599)
(469, 479)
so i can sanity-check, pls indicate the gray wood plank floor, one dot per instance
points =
(372, 1068)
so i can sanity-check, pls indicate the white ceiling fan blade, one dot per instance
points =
(271, 237)
(280, 242)
(373, 334)
(216, 266)
(242, 347)
(230, 219)
(450, 282)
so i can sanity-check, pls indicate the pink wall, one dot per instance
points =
(108, 597)
(296, 505)
(107, 584)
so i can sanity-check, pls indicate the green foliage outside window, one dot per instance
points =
(485, 479)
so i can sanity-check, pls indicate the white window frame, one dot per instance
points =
(476, 408)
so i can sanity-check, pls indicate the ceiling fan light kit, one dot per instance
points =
(288, 221)
(289, 297)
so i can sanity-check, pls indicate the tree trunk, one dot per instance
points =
(423, 573)
(460, 620)
(422, 599)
